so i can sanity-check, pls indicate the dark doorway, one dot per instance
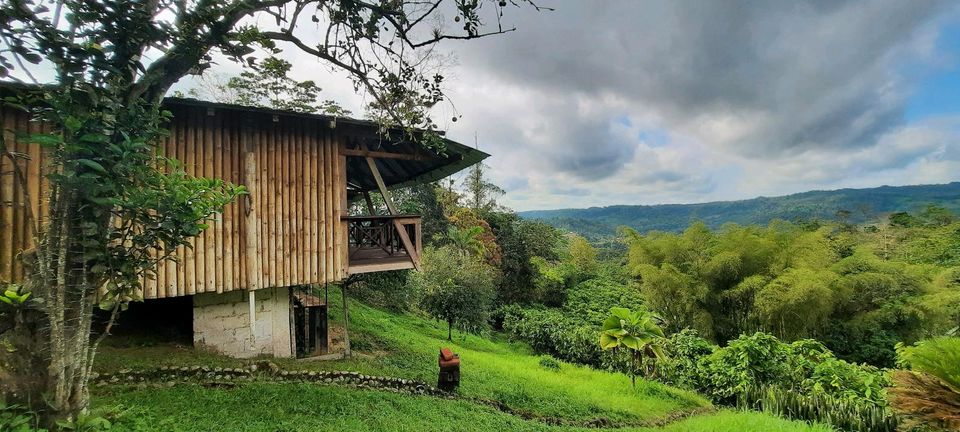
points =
(310, 322)
(150, 322)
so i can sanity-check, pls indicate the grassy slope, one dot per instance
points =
(404, 346)
(305, 407)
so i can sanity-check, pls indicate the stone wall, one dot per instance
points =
(221, 323)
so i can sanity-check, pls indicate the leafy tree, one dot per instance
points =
(522, 243)
(113, 61)
(902, 219)
(677, 297)
(637, 332)
(467, 240)
(467, 219)
(268, 84)
(481, 194)
(936, 216)
(457, 288)
(583, 256)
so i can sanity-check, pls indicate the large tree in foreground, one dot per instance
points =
(115, 209)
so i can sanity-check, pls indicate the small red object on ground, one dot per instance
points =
(449, 377)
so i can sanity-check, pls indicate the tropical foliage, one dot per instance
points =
(457, 288)
(928, 394)
(635, 331)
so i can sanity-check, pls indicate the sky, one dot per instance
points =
(645, 102)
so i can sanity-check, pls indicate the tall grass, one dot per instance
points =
(844, 414)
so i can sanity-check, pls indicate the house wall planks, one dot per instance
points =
(289, 222)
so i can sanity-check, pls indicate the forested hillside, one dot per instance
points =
(855, 205)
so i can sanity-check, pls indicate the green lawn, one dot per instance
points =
(306, 407)
(404, 346)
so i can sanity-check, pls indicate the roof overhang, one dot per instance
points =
(421, 165)
(401, 162)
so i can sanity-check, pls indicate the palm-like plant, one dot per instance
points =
(929, 394)
(467, 239)
(637, 331)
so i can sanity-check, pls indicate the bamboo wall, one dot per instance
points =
(292, 166)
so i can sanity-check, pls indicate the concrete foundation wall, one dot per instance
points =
(221, 323)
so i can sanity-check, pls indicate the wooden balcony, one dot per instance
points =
(377, 244)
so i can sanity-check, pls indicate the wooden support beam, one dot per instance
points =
(370, 207)
(383, 155)
(401, 230)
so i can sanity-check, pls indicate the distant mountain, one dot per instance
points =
(863, 204)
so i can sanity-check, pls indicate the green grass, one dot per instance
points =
(405, 346)
(306, 407)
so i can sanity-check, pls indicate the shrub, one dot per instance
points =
(684, 351)
(929, 395)
(457, 288)
(550, 363)
(844, 414)
(749, 361)
(549, 331)
(390, 290)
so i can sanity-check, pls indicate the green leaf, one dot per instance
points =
(94, 165)
(608, 342)
(622, 313)
(47, 140)
(631, 342)
(611, 322)
(6, 300)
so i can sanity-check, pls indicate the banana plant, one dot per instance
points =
(637, 331)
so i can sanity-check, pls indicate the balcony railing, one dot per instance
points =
(376, 244)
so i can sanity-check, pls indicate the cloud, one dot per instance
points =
(744, 97)
(630, 102)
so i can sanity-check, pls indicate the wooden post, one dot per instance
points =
(251, 224)
(251, 252)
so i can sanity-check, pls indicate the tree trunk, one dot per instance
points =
(52, 338)
(450, 330)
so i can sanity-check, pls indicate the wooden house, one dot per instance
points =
(294, 228)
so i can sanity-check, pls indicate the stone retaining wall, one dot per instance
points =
(263, 371)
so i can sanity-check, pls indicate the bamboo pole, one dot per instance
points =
(209, 235)
(251, 224)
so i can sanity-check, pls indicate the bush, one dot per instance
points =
(749, 361)
(844, 414)
(591, 300)
(389, 290)
(550, 331)
(929, 395)
(457, 288)
(550, 363)
(684, 351)
(801, 380)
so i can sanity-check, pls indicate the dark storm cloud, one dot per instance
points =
(759, 78)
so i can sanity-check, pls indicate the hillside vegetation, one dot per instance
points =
(402, 345)
(802, 319)
(863, 205)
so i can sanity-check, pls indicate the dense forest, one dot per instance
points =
(780, 315)
(857, 205)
